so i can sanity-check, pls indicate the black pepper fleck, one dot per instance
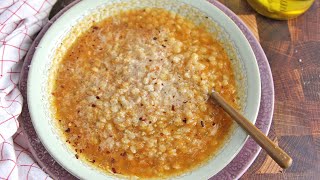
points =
(142, 119)
(202, 124)
(184, 120)
(67, 130)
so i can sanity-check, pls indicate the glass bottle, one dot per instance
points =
(281, 9)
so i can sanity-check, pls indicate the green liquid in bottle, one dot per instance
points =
(281, 9)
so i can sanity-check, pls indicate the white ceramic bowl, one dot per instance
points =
(76, 20)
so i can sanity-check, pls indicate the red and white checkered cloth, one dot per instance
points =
(19, 21)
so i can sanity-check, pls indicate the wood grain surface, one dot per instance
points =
(293, 51)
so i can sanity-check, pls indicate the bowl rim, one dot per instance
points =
(33, 72)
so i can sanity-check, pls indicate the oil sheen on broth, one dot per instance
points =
(131, 94)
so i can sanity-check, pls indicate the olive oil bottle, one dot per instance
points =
(281, 9)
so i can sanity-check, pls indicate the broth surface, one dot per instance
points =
(131, 94)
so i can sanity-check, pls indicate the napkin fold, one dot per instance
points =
(20, 20)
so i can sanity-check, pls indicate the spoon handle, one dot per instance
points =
(276, 153)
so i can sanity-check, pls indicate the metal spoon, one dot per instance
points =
(276, 153)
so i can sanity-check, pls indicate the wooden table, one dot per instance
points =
(293, 50)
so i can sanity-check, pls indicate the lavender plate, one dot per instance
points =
(234, 170)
